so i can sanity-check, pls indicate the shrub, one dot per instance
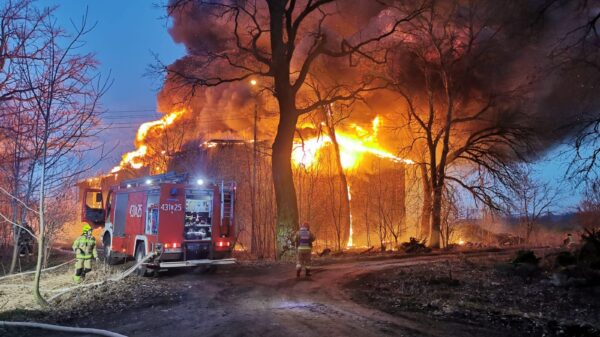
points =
(527, 257)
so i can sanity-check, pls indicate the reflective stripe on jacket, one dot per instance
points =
(304, 239)
(85, 247)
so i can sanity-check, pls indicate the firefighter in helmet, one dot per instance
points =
(569, 242)
(85, 250)
(304, 240)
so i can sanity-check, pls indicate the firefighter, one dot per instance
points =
(304, 240)
(26, 241)
(85, 250)
(569, 241)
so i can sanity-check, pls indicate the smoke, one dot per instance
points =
(226, 111)
(526, 59)
(219, 109)
(514, 57)
(199, 28)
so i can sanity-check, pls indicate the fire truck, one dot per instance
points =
(182, 223)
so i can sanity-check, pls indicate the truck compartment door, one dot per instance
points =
(121, 202)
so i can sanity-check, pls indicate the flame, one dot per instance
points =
(133, 159)
(352, 147)
(461, 242)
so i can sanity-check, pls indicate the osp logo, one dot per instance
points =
(135, 211)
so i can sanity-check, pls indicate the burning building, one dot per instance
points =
(324, 199)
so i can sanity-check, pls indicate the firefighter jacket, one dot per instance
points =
(85, 247)
(25, 236)
(304, 239)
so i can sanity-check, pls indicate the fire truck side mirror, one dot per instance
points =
(92, 207)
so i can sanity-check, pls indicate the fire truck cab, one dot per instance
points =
(182, 223)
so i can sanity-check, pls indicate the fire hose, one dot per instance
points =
(44, 326)
(114, 278)
(5, 324)
(33, 271)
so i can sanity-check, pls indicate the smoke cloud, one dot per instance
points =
(527, 58)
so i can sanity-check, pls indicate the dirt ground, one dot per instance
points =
(483, 292)
(250, 299)
(18, 304)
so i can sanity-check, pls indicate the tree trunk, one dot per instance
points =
(283, 181)
(402, 201)
(15, 251)
(253, 234)
(42, 230)
(426, 207)
(367, 206)
(40, 256)
(436, 218)
(344, 191)
(15, 207)
(16, 230)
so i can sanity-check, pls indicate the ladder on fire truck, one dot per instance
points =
(169, 177)
(227, 203)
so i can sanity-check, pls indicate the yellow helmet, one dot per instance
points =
(87, 228)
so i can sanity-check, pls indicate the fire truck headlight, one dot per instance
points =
(148, 182)
(200, 182)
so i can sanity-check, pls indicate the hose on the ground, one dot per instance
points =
(44, 326)
(33, 271)
(4, 324)
(113, 278)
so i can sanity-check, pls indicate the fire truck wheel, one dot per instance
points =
(140, 252)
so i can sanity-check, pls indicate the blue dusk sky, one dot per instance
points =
(125, 36)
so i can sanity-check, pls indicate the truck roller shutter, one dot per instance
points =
(122, 199)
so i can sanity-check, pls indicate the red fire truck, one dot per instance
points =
(184, 223)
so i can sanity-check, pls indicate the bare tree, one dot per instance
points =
(425, 222)
(531, 199)
(21, 28)
(588, 210)
(335, 201)
(62, 96)
(62, 210)
(263, 40)
(450, 214)
(576, 55)
(452, 123)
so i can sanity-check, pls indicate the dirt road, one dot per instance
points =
(269, 301)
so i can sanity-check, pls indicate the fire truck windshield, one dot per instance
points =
(93, 199)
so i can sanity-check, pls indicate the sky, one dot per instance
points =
(125, 38)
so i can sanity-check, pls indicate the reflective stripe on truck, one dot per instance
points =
(191, 263)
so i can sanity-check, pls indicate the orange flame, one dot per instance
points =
(352, 147)
(133, 159)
